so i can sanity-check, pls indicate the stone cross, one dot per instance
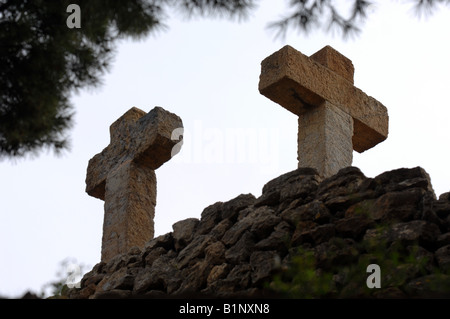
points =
(335, 117)
(123, 176)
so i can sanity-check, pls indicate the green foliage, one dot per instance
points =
(42, 61)
(303, 278)
(68, 273)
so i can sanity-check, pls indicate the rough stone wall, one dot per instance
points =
(236, 247)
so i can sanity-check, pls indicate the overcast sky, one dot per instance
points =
(207, 72)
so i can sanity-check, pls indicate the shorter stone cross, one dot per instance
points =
(335, 117)
(123, 176)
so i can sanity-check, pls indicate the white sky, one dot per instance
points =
(207, 72)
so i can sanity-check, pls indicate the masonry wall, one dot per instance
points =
(239, 247)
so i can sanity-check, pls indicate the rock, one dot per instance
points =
(165, 241)
(353, 227)
(260, 222)
(218, 272)
(263, 222)
(442, 206)
(264, 264)
(239, 277)
(210, 216)
(301, 187)
(240, 252)
(195, 278)
(429, 286)
(404, 178)
(231, 209)
(315, 236)
(120, 261)
(314, 211)
(443, 240)
(236, 231)
(122, 279)
(301, 180)
(163, 275)
(336, 252)
(215, 253)
(397, 206)
(278, 240)
(220, 229)
(183, 232)
(341, 190)
(416, 231)
(443, 258)
(195, 249)
(239, 245)
(154, 254)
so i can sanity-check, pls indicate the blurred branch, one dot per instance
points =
(227, 8)
(314, 14)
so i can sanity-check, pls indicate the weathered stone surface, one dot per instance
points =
(218, 272)
(145, 138)
(240, 276)
(232, 208)
(195, 277)
(430, 286)
(335, 117)
(315, 235)
(399, 206)
(339, 190)
(130, 200)
(183, 232)
(443, 240)
(122, 279)
(442, 206)
(443, 258)
(325, 139)
(163, 275)
(314, 211)
(404, 178)
(299, 83)
(215, 253)
(347, 222)
(210, 216)
(195, 249)
(165, 241)
(278, 240)
(264, 264)
(123, 176)
(336, 252)
(353, 227)
(335, 61)
(411, 232)
(304, 179)
(240, 252)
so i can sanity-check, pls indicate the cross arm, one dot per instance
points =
(145, 138)
(298, 83)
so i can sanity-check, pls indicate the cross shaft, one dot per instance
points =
(123, 176)
(335, 117)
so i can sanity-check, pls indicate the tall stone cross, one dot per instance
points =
(123, 176)
(335, 117)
